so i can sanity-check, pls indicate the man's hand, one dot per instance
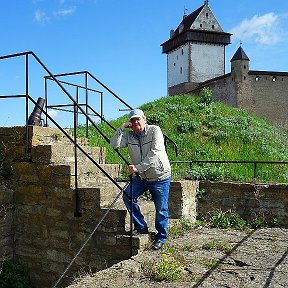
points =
(132, 169)
(126, 125)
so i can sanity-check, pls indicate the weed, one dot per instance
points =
(199, 223)
(201, 193)
(189, 247)
(209, 245)
(158, 118)
(167, 249)
(180, 228)
(257, 223)
(237, 222)
(210, 263)
(220, 246)
(206, 96)
(206, 173)
(14, 274)
(187, 126)
(167, 269)
(276, 222)
(228, 219)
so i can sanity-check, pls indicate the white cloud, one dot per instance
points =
(263, 29)
(40, 16)
(53, 113)
(65, 12)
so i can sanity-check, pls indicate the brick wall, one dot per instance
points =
(250, 200)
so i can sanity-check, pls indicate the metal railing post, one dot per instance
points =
(77, 212)
(27, 149)
(255, 169)
(86, 99)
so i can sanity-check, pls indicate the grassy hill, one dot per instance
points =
(211, 131)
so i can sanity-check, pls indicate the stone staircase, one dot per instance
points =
(41, 230)
(46, 233)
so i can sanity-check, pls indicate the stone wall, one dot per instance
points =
(269, 94)
(6, 221)
(267, 201)
(38, 226)
(259, 94)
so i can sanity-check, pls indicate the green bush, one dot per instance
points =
(187, 126)
(157, 118)
(206, 96)
(228, 219)
(14, 275)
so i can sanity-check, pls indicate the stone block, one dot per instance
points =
(182, 199)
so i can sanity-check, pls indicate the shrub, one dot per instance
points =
(157, 119)
(206, 173)
(228, 219)
(180, 228)
(206, 96)
(14, 275)
(187, 126)
(167, 269)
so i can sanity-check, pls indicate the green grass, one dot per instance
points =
(210, 131)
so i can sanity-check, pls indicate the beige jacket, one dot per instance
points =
(147, 153)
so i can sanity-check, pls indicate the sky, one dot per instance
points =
(118, 41)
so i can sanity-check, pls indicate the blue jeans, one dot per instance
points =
(160, 192)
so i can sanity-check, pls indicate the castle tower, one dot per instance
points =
(195, 51)
(242, 82)
(239, 65)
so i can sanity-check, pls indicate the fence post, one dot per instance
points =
(255, 169)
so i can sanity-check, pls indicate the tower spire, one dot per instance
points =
(206, 2)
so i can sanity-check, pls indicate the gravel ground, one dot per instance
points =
(206, 258)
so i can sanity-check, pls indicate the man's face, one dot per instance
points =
(138, 124)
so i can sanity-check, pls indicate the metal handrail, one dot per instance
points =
(86, 88)
(75, 104)
(73, 140)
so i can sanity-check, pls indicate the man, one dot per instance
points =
(153, 172)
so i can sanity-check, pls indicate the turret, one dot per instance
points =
(239, 65)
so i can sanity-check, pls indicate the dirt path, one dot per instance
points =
(206, 258)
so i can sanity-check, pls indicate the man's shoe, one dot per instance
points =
(157, 245)
(136, 232)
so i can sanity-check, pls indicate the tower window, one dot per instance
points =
(244, 66)
(201, 25)
(213, 26)
(207, 15)
(180, 70)
(274, 78)
(244, 77)
(182, 51)
(257, 78)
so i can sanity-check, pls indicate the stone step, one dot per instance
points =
(90, 175)
(45, 175)
(15, 140)
(47, 135)
(64, 153)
